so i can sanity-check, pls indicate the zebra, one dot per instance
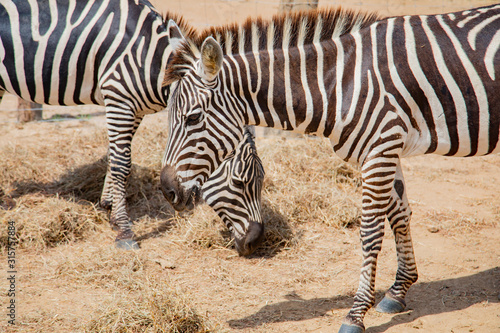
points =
(104, 52)
(378, 88)
(234, 192)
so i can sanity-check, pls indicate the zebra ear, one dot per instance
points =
(175, 36)
(211, 59)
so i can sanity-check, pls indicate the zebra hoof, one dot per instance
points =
(390, 305)
(351, 329)
(114, 226)
(126, 244)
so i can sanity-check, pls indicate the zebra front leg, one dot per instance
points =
(107, 190)
(106, 201)
(399, 215)
(121, 130)
(378, 177)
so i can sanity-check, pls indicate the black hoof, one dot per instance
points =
(126, 244)
(351, 329)
(390, 305)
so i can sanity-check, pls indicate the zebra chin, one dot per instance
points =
(178, 197)
(250, 241)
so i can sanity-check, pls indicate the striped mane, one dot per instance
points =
(292, 29)
(189, 32)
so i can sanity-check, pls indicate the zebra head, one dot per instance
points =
(202, 133)
(234, 192)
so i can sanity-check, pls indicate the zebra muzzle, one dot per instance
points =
(175, 194)
(251, 240)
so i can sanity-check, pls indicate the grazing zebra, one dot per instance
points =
(98, 52)
(380, 90)
(234, 192)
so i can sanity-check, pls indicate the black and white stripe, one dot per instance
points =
(380, 90)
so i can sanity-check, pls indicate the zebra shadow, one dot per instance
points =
(423, 299)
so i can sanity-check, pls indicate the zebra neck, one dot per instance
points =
(294, 89)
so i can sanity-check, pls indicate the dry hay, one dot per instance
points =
(157, 309)
(134, 293)
(145, 301)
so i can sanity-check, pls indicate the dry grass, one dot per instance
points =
(157, 309)
(305, 182)
(145, 301)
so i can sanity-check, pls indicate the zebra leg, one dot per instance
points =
(378, 176)
(107, 191)
(121, 128)
(399, 218)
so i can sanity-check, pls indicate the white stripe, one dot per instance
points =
(321, 80)
(270, 92)
(303, 78)
(88, 75)
(256, 56)
(339, 69)
(241, 54)
(18, 52)
(416, 113)
(356, 89)
(288, 85)
(462, 23)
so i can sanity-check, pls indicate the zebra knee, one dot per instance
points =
(252, 239)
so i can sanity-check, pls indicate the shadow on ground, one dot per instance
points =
(85, 183)
(424, 299)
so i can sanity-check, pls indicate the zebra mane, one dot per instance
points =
(292, 29)
(189, 32)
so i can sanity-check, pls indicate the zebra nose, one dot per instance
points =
(253, 238)
(169, 194)
(169, 185)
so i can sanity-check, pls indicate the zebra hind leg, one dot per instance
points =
(378, 176)
(399, 218)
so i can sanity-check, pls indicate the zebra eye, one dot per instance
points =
(193, 119)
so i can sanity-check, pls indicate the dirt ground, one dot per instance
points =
(307, 287)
